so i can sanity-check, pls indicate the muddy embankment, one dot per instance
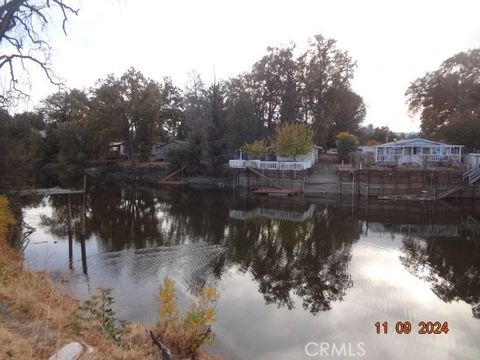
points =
(152, 175)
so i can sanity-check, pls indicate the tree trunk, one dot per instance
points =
(130, 150)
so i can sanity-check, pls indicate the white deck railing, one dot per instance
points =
(418, 158)
(410, 159)
(271, 165)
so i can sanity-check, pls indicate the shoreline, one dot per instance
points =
(151, 177)
(41, 317)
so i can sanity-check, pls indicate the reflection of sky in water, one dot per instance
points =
(379, 287)
(383, 291)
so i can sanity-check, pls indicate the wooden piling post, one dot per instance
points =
(82, 232)
(70, 233)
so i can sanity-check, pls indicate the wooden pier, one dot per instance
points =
(50, 191)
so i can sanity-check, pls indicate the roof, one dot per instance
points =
(179, 142)
(160, 146)
(415, 142)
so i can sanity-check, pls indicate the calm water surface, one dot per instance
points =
(290, 272)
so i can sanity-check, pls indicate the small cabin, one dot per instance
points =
(117, 150)
(418, 151)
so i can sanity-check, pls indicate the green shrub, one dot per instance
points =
(293, 140)
(346, 145)
(186, 334)
(99, 308)
(183, 156)
(256, 149)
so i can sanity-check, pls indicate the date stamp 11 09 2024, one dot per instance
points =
(424, 327)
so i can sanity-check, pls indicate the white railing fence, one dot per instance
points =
(271, 165)
(418, 158)
(410, 159)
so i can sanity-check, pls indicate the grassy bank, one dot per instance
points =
(37, 317)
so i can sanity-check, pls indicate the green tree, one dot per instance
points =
(380, 134)
(242, 123)
(34, 142)
(133, 106)
(66, 106)
(448, 100)
(327, 100)
(256, 148)
(196, 121)
(346, 144)
(22, 147)
(346, 111)
(293, 140)
(273, 85)
(205, 122)
(69, 140)
(107, 112)
(171, 112)
(217, 146)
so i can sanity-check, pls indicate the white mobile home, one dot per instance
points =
(418, 151)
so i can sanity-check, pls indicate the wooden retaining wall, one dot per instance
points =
(286, 179)
(397, 181)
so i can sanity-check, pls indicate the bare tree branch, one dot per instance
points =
(22, 23)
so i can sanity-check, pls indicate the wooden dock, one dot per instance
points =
(50, 191)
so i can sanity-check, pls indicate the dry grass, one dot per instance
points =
(37, 318)
(40, 319)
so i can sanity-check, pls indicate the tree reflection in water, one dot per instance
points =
(452, 266)
(309, 259)
(440, 246)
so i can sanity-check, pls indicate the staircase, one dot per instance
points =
(472, 175)
(166, 180)
(472, 224)
(449, 192)
(266, 178)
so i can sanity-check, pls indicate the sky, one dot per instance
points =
(393, 42)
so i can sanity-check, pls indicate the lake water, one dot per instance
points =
(298, 279)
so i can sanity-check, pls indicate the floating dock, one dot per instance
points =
(50, 191)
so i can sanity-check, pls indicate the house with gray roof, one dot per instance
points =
(418, 151)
